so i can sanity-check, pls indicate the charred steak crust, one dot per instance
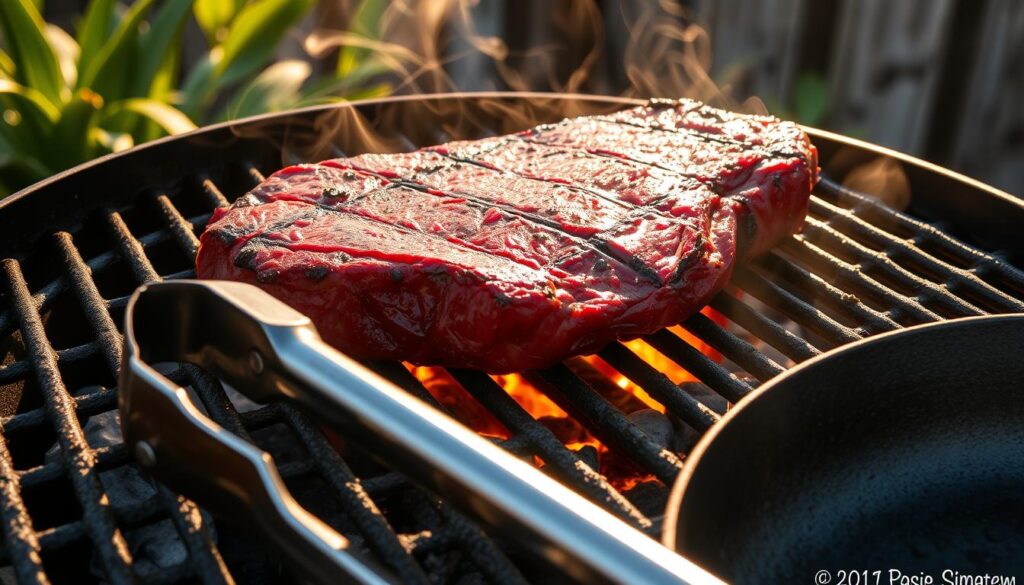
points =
(515, 252)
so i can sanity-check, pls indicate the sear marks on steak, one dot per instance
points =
(515, 252)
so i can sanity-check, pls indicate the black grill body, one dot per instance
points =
(75, 508)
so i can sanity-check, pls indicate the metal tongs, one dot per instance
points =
(268, 351)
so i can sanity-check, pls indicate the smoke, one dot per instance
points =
(640, 48)
(882, 178)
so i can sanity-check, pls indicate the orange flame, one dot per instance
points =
(613, 386)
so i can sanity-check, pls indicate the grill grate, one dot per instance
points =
(858, 269)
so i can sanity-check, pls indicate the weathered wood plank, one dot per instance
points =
(754, 45)
(990, 141)
(885, 69)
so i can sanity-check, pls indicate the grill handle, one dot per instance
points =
(268, 351)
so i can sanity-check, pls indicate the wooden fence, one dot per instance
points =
(941, 79)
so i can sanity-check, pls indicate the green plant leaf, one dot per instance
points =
(6, 66)
(340, 86)
(28, 100)
(108, 73)
(34, 116)
(199, 84)
(365, 22)
(161, 88)
(159, 44)
(276, 88)
(103, 142)
(360, 93)
(94, 29)
(71, 134)
(250, 44)
(34, 60)
(810, 98)
(214, 15)
(172, 120)
(66, 50)
(254, 36)
(18, 171)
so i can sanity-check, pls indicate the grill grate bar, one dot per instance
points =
(79, 459)
(64, 535)
(192, 524)
(606, 422)
(17, 370)
(357, 503)
(20, 539)
(480, 548)
(698, 364)
(789, 344)
(179, 226)
(547, 446)
(46, 295)
(213, 193)
(843, 273)
(254, 174)
(738, 350)
(91, 301)
(131, 250)
(675, 399)
(897, 248)
(86, 404)
(870, 320)
(184, 514)
(767, 291)
(821, 234)
(887, 218)
(106, 457)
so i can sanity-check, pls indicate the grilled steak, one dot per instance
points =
(516, 252)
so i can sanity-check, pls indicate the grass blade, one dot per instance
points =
(199, 84)
(66, 50)
(36, 65)
(107, 74)
(18, 171)
(29, 100)
(71, 134)
(365, 21)
(276, 88)
(6, 66)
(254, 36)
(214, 15)
(94, 29)
(29, 120)
(158, 43)
(172, 120)
(250, 43)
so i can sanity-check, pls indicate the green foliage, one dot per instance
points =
(64, 99)
(810, 99)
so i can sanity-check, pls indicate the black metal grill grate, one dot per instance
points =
(858, 269)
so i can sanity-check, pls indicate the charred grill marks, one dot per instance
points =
(597, 242)
(510, 254)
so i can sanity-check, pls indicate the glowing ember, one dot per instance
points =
(613, 386)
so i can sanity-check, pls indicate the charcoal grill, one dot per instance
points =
(76, 508)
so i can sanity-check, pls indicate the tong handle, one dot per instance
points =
(266, 350)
